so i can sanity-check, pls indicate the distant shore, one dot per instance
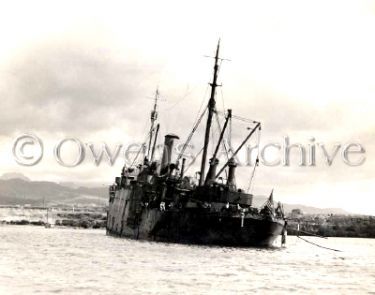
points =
(351, 226)
(81, 218)
(66, 223)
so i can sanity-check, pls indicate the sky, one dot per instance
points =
(88, 70)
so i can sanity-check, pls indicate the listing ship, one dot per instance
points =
(156, 201)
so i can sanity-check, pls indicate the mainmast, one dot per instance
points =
(211, 109)
(154, 116)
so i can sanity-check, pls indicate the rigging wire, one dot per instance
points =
(249, 188)
(140, 149)
(252, 176)
(187, 93)
(221, 89)
(197, 121)
(136, 156)
(246, 120)
(191, 164)
(202, 103)
(217, 119)
(191, 135)
(223, 142)
(143, 143)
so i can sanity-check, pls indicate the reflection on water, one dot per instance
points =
(36, 260)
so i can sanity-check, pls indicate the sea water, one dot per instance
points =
(37, 260)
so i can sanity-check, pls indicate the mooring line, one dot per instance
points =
(318, 245)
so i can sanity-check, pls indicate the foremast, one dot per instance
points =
(153, 117)
(211, 110)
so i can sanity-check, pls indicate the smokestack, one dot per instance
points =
(167, 152)
(211, 174)
(231, 174)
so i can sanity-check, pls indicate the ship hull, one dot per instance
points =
(192, 226)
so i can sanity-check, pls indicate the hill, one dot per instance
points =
(17, 191)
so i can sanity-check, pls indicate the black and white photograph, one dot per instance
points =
(187, 147)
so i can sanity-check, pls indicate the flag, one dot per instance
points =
(269, 203)
(271, 197)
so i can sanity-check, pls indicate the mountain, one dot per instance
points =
(258, 201)
(314, 210)
(7, 176)
(17, 189)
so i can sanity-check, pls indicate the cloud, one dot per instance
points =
(57, 87)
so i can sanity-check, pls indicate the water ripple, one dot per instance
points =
(69, 261)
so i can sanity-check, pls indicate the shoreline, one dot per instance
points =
(72, 224)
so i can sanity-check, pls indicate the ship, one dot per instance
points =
(156, 201)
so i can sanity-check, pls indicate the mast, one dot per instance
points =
(154, 145)
(154, 116)
(211, 109)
